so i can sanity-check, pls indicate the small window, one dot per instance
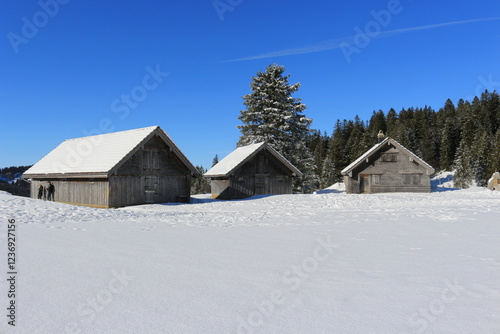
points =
(389, 157)
(412, 178)
(376, 179)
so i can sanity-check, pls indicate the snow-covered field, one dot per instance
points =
(321, 263)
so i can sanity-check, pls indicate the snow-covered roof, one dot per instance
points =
(241, 155)
(375, 148)
(99, 155)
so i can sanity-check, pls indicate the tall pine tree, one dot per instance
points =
(463, 165)
(480, 150)
(274, 116)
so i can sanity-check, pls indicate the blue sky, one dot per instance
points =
(71, 68)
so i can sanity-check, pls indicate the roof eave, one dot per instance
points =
(215, 175)
(364, 156)
(287, 163)
(262, 145)
(375, 148)
(92, 175)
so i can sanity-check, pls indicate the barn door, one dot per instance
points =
(151, 188)
(364, 184)
(261, 185)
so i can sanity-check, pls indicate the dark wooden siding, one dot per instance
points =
(261, 175)
(154, 174)
(133, 190)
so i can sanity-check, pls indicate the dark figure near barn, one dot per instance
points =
(40, 192)
(50, 193)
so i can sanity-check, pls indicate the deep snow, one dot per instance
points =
(321, 263)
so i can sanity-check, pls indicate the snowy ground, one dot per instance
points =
(321, 263)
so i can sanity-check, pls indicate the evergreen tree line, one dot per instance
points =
(464, 138)
(10, 181)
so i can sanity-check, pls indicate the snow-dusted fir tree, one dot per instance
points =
(463, 165)
(480, 150)
(273, 115)
(328, 173)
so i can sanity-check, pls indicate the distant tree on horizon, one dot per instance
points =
(215, 161)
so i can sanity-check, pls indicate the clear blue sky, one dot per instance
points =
(67, 70)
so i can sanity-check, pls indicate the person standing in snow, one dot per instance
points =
(51, 190)
(40, 192)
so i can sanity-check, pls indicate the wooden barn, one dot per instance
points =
(256, 169)
(116, 169)
(387, 167)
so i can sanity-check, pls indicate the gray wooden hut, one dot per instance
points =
(256, 169)
(116, 169)
(494, 182)
(387, 167)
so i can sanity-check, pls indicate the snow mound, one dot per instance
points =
(443, 181)
(335, 188)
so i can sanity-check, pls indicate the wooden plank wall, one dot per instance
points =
(131, 190)
(77, 191)
(126, 190)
